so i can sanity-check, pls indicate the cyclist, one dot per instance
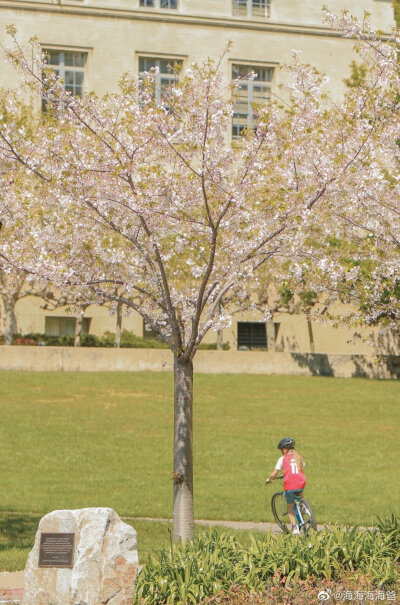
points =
(292, 464)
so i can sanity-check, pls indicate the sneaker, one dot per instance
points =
(295, 530)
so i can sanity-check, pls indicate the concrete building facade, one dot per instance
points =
(91, 43)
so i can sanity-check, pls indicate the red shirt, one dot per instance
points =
(294, 477)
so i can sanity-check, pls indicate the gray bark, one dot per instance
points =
(310, 335)
(10, 320)
(220, 334)
(78, 330)
(183, 515)
(117, 342)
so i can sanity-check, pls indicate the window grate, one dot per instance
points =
(251, 335)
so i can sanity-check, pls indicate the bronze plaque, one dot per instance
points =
(56, 550)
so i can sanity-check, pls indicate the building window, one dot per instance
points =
(64, 326)
(249, 94)
(164, 75)
(160, 3)
(70, 67)
(251, 8)
(251, 335)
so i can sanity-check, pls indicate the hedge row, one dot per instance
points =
(128, 340)
(213, 563)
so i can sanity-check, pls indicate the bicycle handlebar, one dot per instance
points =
(279, 477)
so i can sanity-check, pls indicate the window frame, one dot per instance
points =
(250, 86)
(66, 325)
(158, 57)
(251, 341)
(157, 4)
(249, 9)
(62, 69)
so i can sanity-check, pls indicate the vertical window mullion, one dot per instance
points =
(250, 105)
(158, 81)
(62, 65)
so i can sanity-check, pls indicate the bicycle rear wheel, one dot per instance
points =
(308, 516)
(279, 510)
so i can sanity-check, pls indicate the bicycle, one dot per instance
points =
(302, 509)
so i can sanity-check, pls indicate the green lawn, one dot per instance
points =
(71, 440)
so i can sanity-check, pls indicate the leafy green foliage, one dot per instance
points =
(128, 340)
(358, 74)
(214, 562)
(396, 5)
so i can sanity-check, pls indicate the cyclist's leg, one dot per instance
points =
(289, 495)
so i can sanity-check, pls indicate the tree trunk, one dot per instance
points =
(220, 333)
(78, 329)
(183, 516)
(310, 335)
(117, 342)
(10, 320)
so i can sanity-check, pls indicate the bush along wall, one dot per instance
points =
(214, 563)
(128, 340)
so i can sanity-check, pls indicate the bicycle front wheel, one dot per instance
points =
(280, 512)
(308, 516)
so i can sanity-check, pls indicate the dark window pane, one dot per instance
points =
(74, 59)
(165, 66)
(69, 78)
(239, 8)
(146, 2)
(252, 335)
(258, 8)
(53, 57)
(79, 78)
(146, 63)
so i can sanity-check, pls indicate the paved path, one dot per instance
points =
(243, 525)
(11, 586)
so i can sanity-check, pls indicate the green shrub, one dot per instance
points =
(213, 562)
(212, 346)
(128, 340)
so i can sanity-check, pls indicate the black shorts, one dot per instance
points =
(291, 493)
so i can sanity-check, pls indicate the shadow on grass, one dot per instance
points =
(17, 530)
(17, 535)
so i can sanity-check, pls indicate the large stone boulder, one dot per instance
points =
(104, 566)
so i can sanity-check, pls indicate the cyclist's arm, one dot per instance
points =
(277, 469)
(273, 475)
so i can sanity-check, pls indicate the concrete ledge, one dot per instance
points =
(87, 359)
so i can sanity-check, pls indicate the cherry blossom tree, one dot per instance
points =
(14, 284)
(148, 197)
(367, 245)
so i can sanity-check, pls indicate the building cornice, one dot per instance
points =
(168, 17)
